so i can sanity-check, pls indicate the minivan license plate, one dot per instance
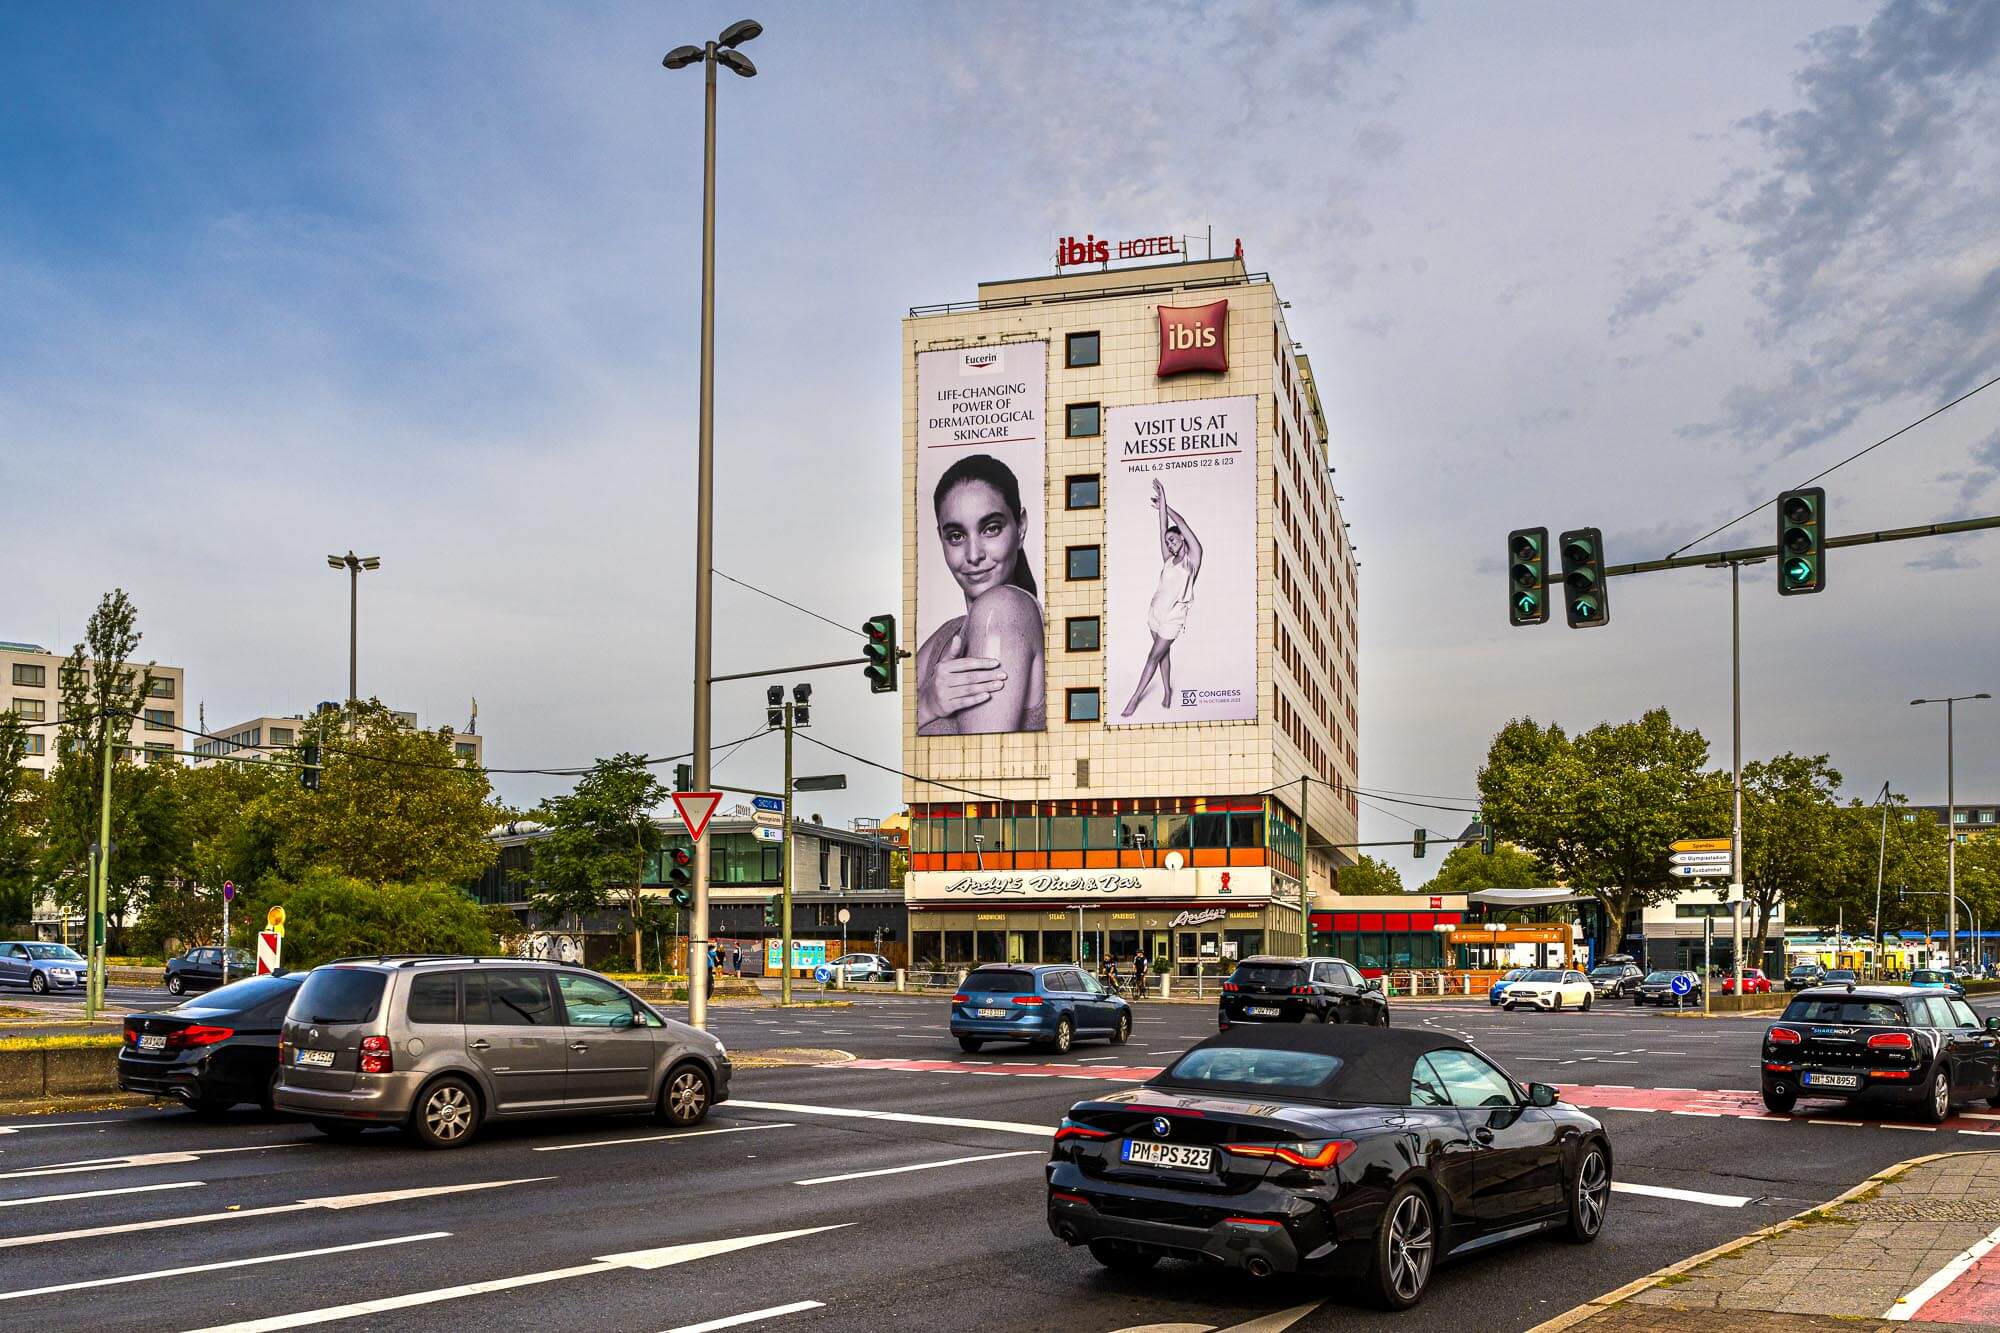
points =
(323, 1058)
(1179, 1156)
(1262, 1011)
(1833, 1080)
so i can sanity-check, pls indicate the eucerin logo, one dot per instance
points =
(981, 360)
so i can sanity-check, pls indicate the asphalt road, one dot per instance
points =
(786, 1207)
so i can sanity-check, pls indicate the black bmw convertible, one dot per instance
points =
(1367, 1153)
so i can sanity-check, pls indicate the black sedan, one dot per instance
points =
(201, 969)
(213, 1052)
(1658, 988)
(1904, 1045)
(1369, 1155)
(1301, 990)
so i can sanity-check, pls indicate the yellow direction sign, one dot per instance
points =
(1702, 845)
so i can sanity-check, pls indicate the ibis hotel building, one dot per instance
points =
(1131, 605)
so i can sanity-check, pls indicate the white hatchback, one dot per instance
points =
(1549, 988)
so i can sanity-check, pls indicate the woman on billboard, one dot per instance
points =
(982, 671)
(1166, 617)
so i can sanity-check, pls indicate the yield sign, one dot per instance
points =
(696, 809)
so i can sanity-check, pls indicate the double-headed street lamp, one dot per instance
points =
(353, 564)
(722, 51)
(1950, 822)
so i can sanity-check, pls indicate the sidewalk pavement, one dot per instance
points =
(1910, 1248)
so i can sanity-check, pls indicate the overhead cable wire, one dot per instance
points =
(851, 629)
(891, 768)
(1841, 464)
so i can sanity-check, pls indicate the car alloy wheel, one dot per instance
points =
(1938, 1106)
(1586, 1004)
(39, 984)
(1593, 1196)
(448, 1114)
(1065, 1034)
(175, 985)
(1408, 1247)
(1124, 1030)
(686, 1096)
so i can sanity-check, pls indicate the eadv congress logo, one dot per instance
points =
(1194, 338)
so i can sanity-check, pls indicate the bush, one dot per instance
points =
(329, 915)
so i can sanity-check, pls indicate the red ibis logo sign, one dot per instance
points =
(1194, 338)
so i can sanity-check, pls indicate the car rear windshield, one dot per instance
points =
(1921, 977)
(1847, 1010)
(1804, 970)
(1001, 983)
(340, 995)
(249, 993)
(1253, 1067)
(1268, 974)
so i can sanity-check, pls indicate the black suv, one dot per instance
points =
(1301, 990)
(1612, 981)
(1805, 976)
(1921, 1048)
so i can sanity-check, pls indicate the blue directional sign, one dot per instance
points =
(1682, 984)
(823, 974)
(771, 803)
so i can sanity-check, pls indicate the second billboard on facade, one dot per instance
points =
(980, 663)
(1180, 601)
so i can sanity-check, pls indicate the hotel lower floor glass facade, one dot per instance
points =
(1175, 937)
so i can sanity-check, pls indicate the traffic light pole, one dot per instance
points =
(1736, 776)
(100, 896)
(785, 854)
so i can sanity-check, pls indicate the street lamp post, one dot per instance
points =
(721, 51)
(1881, 858)
(1950, 822)
(353, 564)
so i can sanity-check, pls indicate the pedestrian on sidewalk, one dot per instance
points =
(736, 959)
(1139, 973)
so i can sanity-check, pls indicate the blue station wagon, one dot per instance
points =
(1052, 1004)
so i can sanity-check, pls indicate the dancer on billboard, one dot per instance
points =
(983, 671)
(1180, 565)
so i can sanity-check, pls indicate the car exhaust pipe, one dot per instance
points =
(1258, 1266)
(1067, 1234)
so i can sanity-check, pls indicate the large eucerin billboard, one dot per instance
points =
(1180, 562)
(980, 496)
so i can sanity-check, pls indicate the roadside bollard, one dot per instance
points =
(901, 978)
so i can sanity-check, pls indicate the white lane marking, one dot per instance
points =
(900, 1117)
(129, 1189)
(287, 1257)
(1983, 1133)
(645, 1260)
(136, 1159)
(1979, 1115)
(1921, 1129)
(1910, 1302)
(920, 1166)
(735, 1320)
(336, 1202)
(1707, 1115)
(55, 1124)
(1686, 1196)
(664, 1138)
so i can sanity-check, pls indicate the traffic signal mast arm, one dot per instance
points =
(1750, 553)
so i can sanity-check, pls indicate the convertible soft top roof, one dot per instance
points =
(1375, 1063)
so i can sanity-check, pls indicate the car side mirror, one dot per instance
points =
(1993, 1022)
(1372, 984)
(1541, 1094)
(630, 1020)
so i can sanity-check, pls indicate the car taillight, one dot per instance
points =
(960, 999)
(131, 1036)
(1230, 985)
(1783, 1037)
(1302, 990)
(1891, 1041)
(1069, 1129)
(199, 1035)
(1314, 1157)
(375, 1056)
(1027, 999)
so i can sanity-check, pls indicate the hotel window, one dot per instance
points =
(32, 676)
(159, 719)
(1083, 420)
(37, 743)
(465, 749)
(823, 849)
(1081, 562)
(162, 688)
(1082, 633)
(1080, 349)
(1083, 492)
(1962, 816)
(157, 753)
(282, 735)
(37, 710)
(1082, 706)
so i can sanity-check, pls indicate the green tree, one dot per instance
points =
(394, 806)
(1601, 809)
(1468, 869)
(599, 835)
(1796, 837)
(330, 915)
(1369, 875)
(21, 800)
(101, 692)
(219, 830)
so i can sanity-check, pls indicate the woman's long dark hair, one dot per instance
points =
(986, 468)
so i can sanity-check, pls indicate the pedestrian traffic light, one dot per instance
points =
(683, 777)
(1802, 541)
(309, 774)
(771, 908)
(802, 705)
(774, 706)
(881, 654)
(1586, 600)
(679, 876)
(1417, 837)
(1528, 576)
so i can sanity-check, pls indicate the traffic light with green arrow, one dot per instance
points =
(1528, 576)
(881, 654)
(679, 876)
(1586, 600)
(1802, 541)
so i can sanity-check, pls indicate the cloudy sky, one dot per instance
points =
(422, 281)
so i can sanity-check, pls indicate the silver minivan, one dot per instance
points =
(438, 1045)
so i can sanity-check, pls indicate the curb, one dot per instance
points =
(1611, 1300)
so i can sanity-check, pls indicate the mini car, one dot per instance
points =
(1905, 1045)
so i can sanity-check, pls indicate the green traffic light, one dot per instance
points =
(1798, 572)
(1584, 608)
(1527, 604)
